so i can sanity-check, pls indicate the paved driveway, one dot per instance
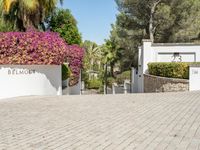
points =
(146, 121)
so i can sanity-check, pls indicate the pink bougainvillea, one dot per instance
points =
(75, 58)
(39, 48)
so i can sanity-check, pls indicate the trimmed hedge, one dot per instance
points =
(171, 70)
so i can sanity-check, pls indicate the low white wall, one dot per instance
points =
(76, 89)
(26, 80)
(194, 77)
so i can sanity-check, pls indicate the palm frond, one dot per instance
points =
(29, 5)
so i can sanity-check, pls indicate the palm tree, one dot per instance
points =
(93, 56)
(27, 13)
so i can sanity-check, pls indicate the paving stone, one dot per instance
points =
(98, 122)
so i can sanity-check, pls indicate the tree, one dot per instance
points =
(92, 62)
(142, 13)
(126, 43)
(5, 26)
(159, 18)
(63, 22)
(110, 54)
(27, 13)
(93, 56)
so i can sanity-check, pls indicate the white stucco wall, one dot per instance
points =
(164, 52)
(25, 80)
(194, 78)
(76, 89)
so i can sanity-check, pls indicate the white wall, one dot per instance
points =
(164, 52)
(194, 78)
(25, 80)
(76, 89)
(134, 80)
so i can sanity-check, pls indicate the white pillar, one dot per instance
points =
(113, 88)
(134, 80)
(145, 57)
(194, 78)
(82, 87)
(147, 54)
(125, 88)
(140, 70)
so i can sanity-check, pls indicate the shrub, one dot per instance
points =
(94, 84)
(32, 48)
(39, 48)
(171, 70)
(66, 72)
(75, 58)
(110, 81)
(123, 76)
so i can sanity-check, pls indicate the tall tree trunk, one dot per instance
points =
(151, 20)
(112, 69)
(151, 32)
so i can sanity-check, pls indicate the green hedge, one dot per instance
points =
(171, 70)
(94, 84)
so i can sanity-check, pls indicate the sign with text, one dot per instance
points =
(26, 80)
(17, 71)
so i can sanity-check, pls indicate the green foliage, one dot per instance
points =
(5, 26)
(110, 81)
(94, 84)
(23, 14)
(65, 24)
(85, 76)
(92, 60)
(123, 76)
(92, 56)
(166, 20)
(66, 72)
(170, 70)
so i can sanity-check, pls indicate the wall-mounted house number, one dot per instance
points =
(176, 57)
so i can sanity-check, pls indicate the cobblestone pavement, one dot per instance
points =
(120, 122)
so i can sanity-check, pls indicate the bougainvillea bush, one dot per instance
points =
(75, 57)
(39, 48)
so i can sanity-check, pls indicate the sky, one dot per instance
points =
(94, 17)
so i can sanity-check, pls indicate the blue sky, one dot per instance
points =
(94, 17)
